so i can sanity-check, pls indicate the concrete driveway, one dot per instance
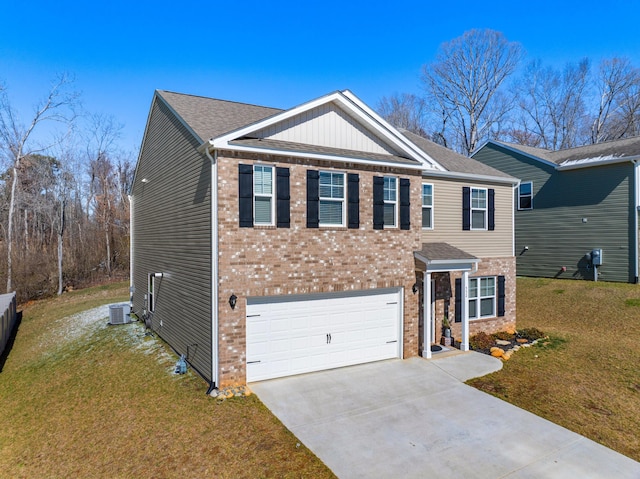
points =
(416, 419)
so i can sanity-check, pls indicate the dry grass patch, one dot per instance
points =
(586, 377)
(101, 401)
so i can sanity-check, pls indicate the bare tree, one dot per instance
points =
(463, 85)
(17, 141)
(404, 110)
(552, 104)
(616, 85)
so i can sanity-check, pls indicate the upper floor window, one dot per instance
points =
(390, 201)
(332, 198)
(525, 196)
(427, 206)
(482, 297)
(263, 203)
(478, 208)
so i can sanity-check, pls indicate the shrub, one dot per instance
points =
(504, 335)
(531, 334)
(481, 341)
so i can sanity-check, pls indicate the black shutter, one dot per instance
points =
(466, 208)
(378, 202)
(492, 209)
(501, 295)
(245, 195)
(405, 204)
(313, 198)
(353, 204)
(283, 195)
(458, 303)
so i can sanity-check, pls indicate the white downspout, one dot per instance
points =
(131, 229)
(426, 314)
(214, 268)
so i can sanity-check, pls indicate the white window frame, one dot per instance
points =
(484, 209)
(391, 201)
(430, 207)
(342, 201)
(479, 297)
(271, 196)
(530, 195)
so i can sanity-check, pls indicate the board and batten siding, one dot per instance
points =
(172, 236)
(574, 211)
(327, 125)
(447, 219)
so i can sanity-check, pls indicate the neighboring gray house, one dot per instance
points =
(570, 203)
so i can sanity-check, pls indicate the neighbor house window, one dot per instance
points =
(332, 198)
(263, 204)
(390, 201)
(525, 196)
(478, 208)
(427, 206)
(482, 297)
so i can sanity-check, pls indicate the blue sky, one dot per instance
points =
(274, 53)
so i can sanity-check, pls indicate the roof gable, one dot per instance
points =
(337, 126)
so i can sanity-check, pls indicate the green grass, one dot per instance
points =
(104, 403)
(586, 377)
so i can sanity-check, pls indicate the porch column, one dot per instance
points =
(464, 344)
(426, 314)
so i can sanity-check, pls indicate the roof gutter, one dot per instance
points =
(470, 176)
(576, 164)
(310, 155)
(636, 199)
(215, 380)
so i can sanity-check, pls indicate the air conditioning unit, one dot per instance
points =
(119, 314)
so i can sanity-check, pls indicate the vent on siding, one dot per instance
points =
(119, 314)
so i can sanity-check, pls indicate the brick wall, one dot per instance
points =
(269, 261)
(445, 298)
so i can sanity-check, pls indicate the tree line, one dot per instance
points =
(64, 211)
(480, 86)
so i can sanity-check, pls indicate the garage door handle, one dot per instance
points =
(252, 315)
(252, 362)
(328, 338)
(389, 342)
(394, 302)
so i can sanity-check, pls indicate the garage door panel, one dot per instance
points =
(296, 334)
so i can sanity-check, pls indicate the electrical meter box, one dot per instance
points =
(596, 256)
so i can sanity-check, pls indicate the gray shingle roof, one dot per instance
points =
(280, 145)
(627, 147)
(210, 118)
(451, 160)
(443, 252)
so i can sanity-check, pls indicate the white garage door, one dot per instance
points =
(289, 335)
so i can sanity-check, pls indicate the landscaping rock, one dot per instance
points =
(522, 340)
(497, 352)
(502, 342)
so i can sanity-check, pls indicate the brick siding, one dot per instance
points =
(270, 261)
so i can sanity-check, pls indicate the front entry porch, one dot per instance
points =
(442, 274)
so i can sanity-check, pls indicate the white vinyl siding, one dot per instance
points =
(482, 297)
(332, 199)
(525, 196)
(327, 125)
(427, 206)
(390, 202)
(263, 203)
(478, 209)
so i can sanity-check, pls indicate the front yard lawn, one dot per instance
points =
(586, 377)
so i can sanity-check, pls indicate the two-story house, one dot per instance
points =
(271, 242)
